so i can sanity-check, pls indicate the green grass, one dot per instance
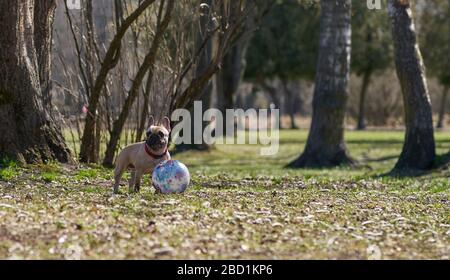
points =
(8, 170)
(375, 151)
(240, 205)
(49, 177)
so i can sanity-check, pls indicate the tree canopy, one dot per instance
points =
(286, 45)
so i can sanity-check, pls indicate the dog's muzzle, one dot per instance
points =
(154, 141)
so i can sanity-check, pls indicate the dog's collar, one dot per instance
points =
(155, 156)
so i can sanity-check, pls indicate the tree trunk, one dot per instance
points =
(325, 146)
(230, 75)
(204, 60)
(145, 110)
(443, 105)
(289, 97)
(28, 131)
(194, 144)
(272, 92)
(418, 149)
(362, 101)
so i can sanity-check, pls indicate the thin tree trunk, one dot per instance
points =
(418, 148)
(272, 92)
(289, 104)
(325, 146)
(362, 101)
(443, 105)
(145, 111)
(28, 131)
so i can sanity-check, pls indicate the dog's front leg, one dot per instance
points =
(137, 182)
(132, 181)
(117, 176)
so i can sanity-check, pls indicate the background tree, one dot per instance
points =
(325, 146)
(371, 49)
(146, 69)
(418, 148)
(89, 149)
(284, 49)
(435, 39)
(206, 24)
(29, 131)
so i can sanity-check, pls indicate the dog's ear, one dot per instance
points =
(166, 123)
(151, 121)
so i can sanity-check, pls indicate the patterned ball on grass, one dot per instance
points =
(171, 176)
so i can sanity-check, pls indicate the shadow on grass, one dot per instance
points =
(381, 159)
(441, 162)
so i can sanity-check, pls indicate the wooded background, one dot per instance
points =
(94, 75)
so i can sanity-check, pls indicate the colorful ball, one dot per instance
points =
(171, 176)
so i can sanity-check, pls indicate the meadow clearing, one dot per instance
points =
(240, 205)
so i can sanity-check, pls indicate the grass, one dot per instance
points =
(240, 205)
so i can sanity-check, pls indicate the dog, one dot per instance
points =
(143, 157)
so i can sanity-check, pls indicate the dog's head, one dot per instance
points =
(158, 135)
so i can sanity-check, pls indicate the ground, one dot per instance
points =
(240, 205)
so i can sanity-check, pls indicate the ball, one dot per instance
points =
(171, 176)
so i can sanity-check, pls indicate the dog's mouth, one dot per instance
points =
(156, 143)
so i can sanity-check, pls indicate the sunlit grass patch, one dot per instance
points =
(87, 174)
(8, 170)
(49, 176)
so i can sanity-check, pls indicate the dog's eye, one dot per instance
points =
(161, 134)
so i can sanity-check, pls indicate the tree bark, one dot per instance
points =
(362, 101)
(28, 131)
(325, 146)
(442, 107)
(418, 148)
(147, 66)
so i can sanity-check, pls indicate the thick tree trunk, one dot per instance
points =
(442, 106)
(28, 132)
(362, 101)
(418, 149)
(325, 146)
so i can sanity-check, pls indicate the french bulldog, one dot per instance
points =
(143, 157)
